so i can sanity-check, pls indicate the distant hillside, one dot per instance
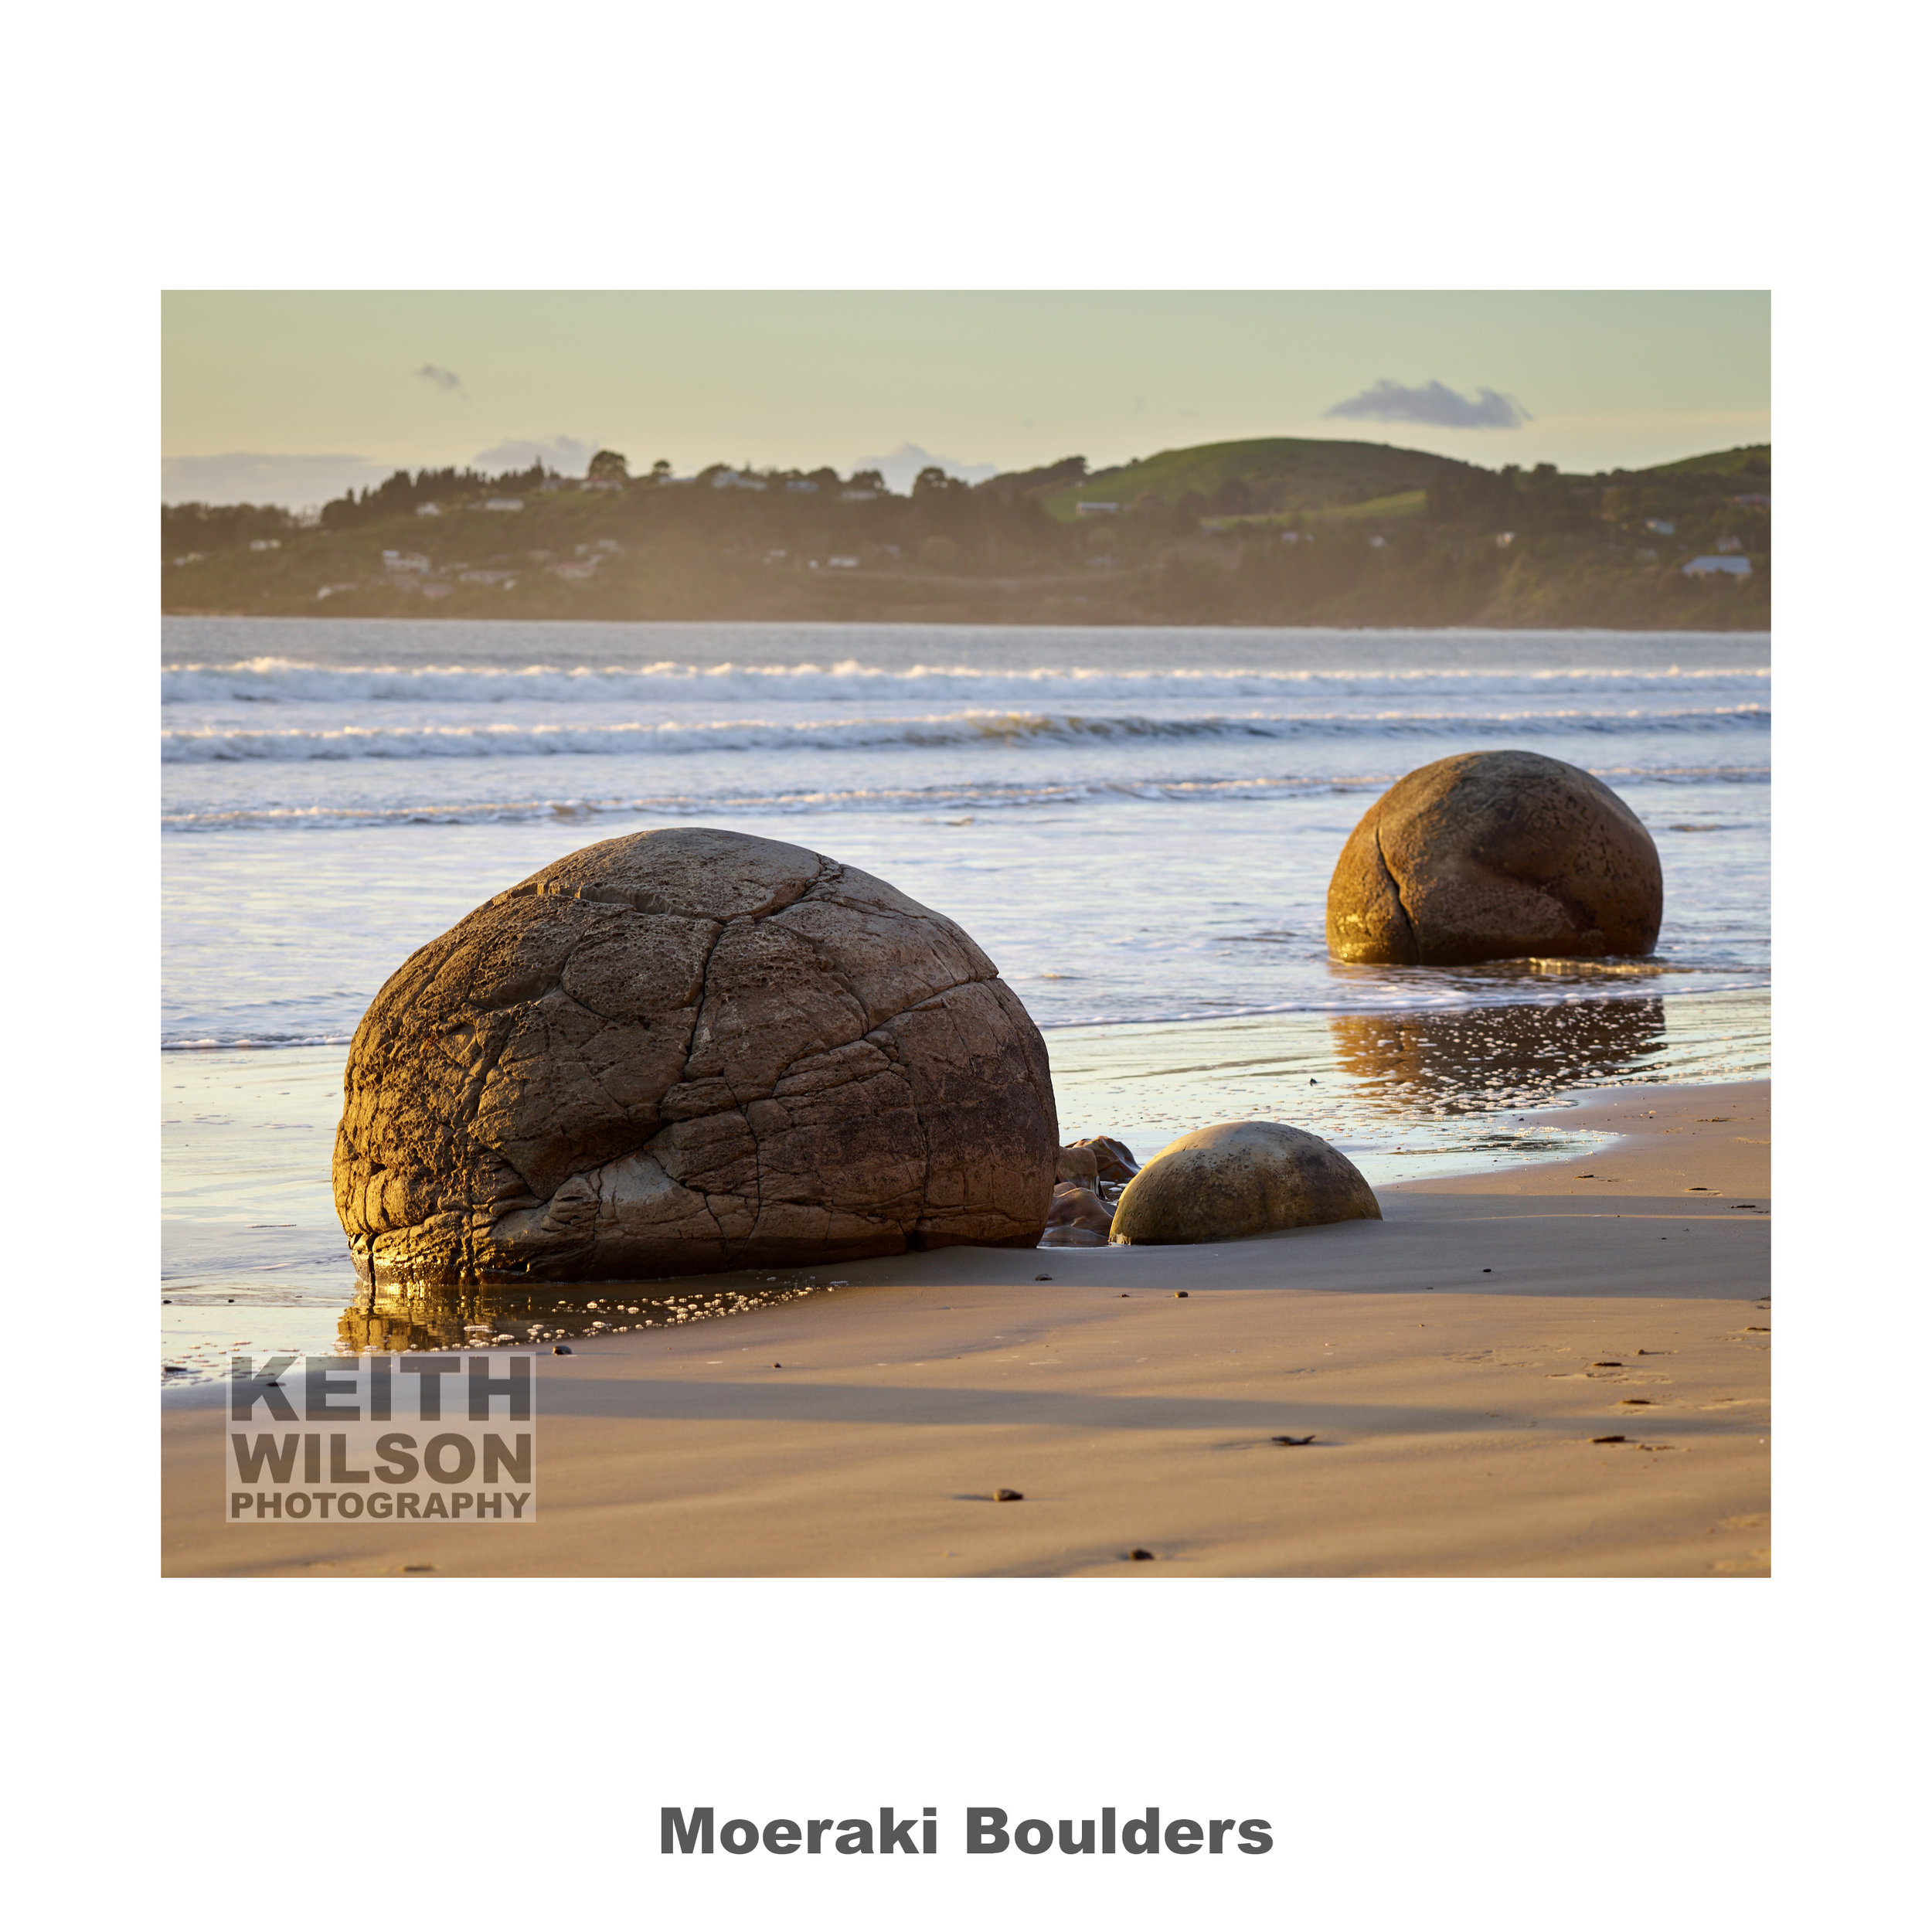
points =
(1273, 531)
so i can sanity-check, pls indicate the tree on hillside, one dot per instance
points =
(608, 467)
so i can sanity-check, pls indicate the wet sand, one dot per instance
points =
(1453, 1362)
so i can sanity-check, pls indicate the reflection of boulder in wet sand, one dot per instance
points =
(1494, 855)
(1079, 1218)
(688, 1050)
(1243, 1177)
(434, 1315)
(1473, 1060)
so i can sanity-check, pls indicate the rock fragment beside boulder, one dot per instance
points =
(684, 1051)
(1495, 854)
(1240, 1178)
(1079, 1218)
(1114, 1160)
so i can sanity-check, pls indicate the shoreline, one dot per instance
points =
(1453, 1362)
(1059, 621)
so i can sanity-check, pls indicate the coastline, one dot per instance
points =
(1453, 1362)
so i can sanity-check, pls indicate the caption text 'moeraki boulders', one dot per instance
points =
(1243, 1177)
(1495, 854)
(688, 1050)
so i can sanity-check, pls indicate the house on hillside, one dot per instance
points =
(1097, 510)
(841, 563)
(406, 560)
(266, 543)
(429, 509)
(1660, 526)
(503, 503)
(1708, 566)
(856, 496)
(801, 489)
(1728, 545)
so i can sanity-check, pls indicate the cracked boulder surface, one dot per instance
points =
(1495, 854)
(685, 1051)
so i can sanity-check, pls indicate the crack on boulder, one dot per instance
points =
(1401, 909)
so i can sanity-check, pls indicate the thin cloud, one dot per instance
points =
(1434, 403)
(446, 379)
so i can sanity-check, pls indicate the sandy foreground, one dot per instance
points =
(1452, 1362)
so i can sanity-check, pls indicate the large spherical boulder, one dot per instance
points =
(1495, 854)
(1243, 1177)
(688, 1050)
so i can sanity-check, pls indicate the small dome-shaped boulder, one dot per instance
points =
(1495, 854)
(688, 1050)
(1243, 1177)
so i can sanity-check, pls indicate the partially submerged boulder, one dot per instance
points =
(1243, 1177)
(688, 1050)
(1495, 854)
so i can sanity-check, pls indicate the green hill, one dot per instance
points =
(1747, 460)
(1278, 474)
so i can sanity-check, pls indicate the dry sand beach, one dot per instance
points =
(1459, 1365)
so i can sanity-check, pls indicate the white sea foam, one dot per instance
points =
(273, 680)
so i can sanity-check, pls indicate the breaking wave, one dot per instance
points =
(212, 743)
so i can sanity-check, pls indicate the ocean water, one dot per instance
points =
(1138, 825)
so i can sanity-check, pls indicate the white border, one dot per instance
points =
(1477, 1754)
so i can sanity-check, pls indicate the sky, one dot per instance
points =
(290, 397)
